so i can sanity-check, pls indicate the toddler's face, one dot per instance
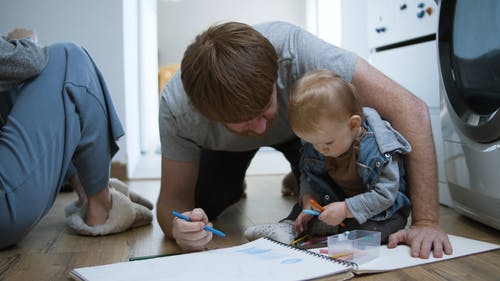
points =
(332, 139)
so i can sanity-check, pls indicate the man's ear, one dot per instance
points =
(355, 123)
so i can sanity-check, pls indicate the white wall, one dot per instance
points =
(329, 21)
(130, 81)
(148, 75)
(354, 27)
(107, 30)
(179, 21)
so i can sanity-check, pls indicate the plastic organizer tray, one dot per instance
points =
(359, 246)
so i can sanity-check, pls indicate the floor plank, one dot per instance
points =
(51, 250)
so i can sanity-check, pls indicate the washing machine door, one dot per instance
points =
(469, 57)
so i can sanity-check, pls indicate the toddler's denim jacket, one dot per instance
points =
(379, 164)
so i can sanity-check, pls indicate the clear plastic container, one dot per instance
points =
(359, 246)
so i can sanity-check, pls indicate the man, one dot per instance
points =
(231, 97)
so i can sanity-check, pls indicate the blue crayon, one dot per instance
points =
(311, 212)
(206, 227)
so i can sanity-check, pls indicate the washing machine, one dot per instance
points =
(469, 61)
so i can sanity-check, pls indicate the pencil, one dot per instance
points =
(149, 257)
(341, 255)
(206, 227)
(321, 208)
(298, 240)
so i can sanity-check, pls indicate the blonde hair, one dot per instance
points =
(319, 95)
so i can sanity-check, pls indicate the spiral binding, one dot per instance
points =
(343, 262)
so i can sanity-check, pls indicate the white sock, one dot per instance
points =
(282, 231)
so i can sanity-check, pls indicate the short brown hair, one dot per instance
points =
(318, 95)
(229, 72)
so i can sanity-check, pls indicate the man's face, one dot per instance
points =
(259, 125)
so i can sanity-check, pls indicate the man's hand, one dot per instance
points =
(20, 33)
(190, 235)
(422, 239)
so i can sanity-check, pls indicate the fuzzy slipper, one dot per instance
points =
(135, 197)
(120, 186)
(124, 214)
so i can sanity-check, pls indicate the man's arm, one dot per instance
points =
(410, 116)
(178, 181)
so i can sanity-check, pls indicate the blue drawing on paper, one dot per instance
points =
(291, 261)
(255, 251)
(268, 254)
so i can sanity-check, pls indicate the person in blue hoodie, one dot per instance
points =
(57, 121)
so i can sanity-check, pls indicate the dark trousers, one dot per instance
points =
(222, 173)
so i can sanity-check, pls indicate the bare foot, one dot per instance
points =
(99, 206)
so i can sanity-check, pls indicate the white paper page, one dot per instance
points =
(399, 257)
(257, 260)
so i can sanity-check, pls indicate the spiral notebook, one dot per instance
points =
(265, 259)
(262, 259)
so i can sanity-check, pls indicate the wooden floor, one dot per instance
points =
(50, 251)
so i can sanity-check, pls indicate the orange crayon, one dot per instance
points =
(321, 208)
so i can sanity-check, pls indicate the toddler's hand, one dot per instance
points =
(334, 213)
(301, 221)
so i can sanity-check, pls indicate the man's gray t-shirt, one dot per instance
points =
(184, 132)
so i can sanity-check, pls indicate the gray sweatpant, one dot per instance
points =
(63, 115)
